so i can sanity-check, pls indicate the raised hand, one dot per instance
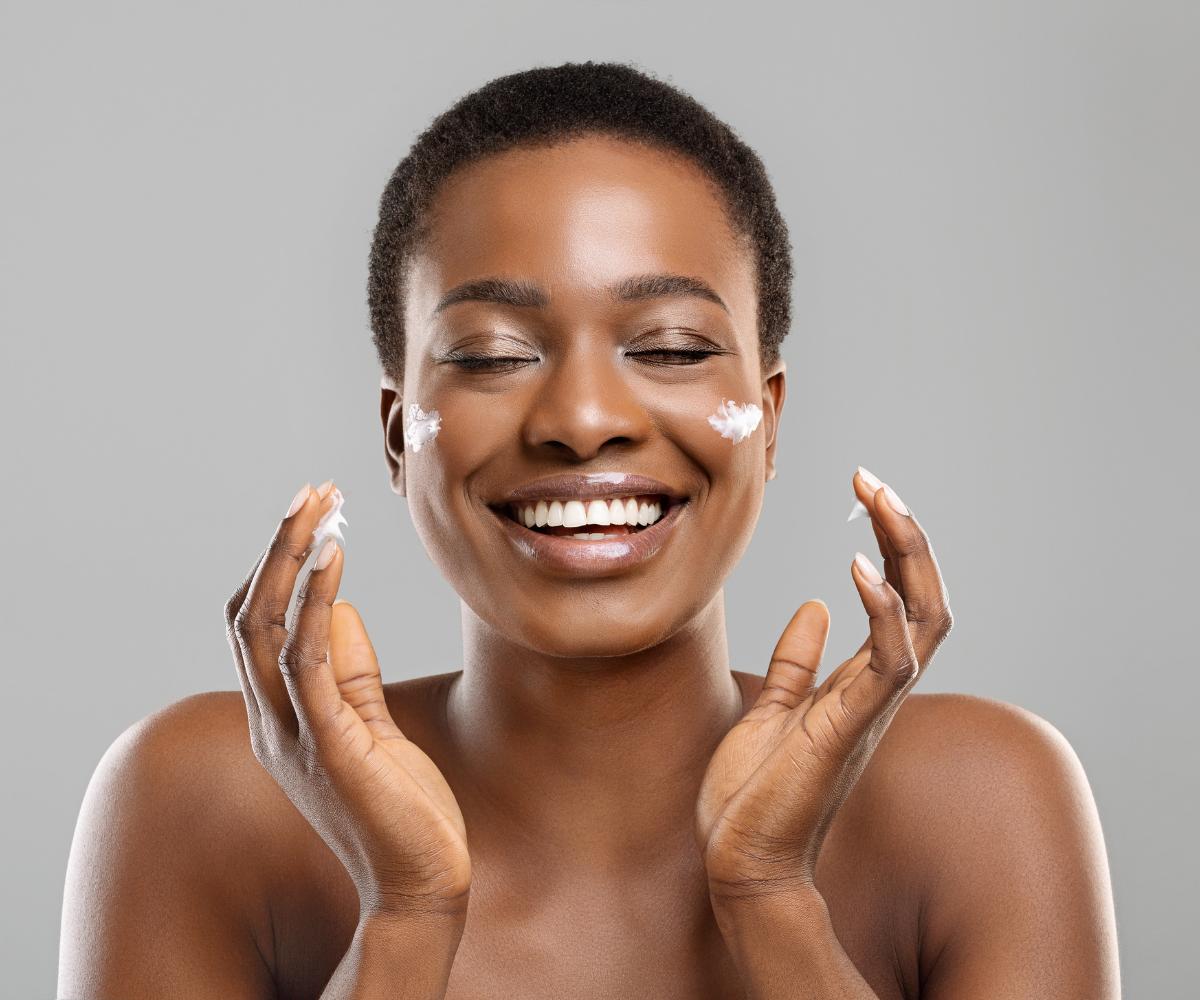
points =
(779, 777)
(320, 725)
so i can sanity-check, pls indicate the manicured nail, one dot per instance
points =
(867, 569)
(324, 488)
(873, 484)
(299, 501)
(326, 556)
(894, 501)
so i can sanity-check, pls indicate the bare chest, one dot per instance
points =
(566, 929)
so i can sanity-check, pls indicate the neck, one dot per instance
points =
(614, 744)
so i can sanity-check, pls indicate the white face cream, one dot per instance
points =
(330, 524)
(735, 422)
(420, 427)
(858, 510)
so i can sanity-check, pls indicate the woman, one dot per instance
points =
(579, 285)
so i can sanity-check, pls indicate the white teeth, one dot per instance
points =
(598, 513)
(574, 516)
(578, 513)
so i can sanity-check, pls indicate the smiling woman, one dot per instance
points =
(579, 285)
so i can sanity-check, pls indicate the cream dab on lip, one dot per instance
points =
(420, 427)
(735, 422)
(616, 516)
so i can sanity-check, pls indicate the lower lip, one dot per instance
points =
(580, 557)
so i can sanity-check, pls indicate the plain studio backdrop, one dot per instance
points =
(994, 212)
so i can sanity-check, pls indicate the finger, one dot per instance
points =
(891, 558)
(260, 625)
(797, 658)
(926, 603)
(875, 692)
(304, 658)
(232, 607)
(325, 494)
(356, 668)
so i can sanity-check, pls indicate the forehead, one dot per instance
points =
(588, 213)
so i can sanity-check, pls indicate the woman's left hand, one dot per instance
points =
(779, 777)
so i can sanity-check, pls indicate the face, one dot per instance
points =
(576, 316)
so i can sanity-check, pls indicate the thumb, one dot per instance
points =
(355, 666)
(797, 658)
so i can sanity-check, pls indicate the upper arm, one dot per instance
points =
(155, 902)
(1019, 902)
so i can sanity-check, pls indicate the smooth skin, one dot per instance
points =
(596, 805)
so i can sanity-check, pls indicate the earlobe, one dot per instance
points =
(391, 405)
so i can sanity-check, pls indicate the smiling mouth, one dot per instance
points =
(598, 519)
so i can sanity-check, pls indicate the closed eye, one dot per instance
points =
(489, 363)
(674, 355)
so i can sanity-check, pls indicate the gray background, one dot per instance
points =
(995, 217)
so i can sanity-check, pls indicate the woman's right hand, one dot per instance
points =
(320, 725)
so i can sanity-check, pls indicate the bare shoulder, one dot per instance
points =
(157, 877)
(983, 816)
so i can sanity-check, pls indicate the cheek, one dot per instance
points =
(436, 476)
(733, 469)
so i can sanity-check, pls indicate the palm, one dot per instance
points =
(396, 788)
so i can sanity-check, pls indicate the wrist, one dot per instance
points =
(398, 956)
(778, 935)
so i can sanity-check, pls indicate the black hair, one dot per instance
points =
(555, 104)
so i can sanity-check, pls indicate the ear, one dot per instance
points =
(774, 394)
(391, 412)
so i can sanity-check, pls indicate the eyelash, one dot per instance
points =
(673, 356)
(662, 356)
(487, 362)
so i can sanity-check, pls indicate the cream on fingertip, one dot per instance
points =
(330, 525)
(857, 511)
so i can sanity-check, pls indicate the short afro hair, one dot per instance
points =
(546, 106)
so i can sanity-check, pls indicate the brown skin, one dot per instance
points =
(595, 806)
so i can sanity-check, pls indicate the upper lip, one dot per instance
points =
(589, 486)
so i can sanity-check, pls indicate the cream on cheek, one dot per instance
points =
(420, 427)
(735, 422)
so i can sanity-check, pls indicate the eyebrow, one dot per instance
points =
(507, 292)
(659, 286)
(498, 291)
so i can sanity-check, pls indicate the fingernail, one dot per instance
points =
(299, 501)
(894, 501)
(324, 488)
(326, 556)
(867, 569)
(873, 484)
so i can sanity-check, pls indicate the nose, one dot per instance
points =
(585, 407)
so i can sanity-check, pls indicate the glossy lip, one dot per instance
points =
(579, 557)
(592, 486)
